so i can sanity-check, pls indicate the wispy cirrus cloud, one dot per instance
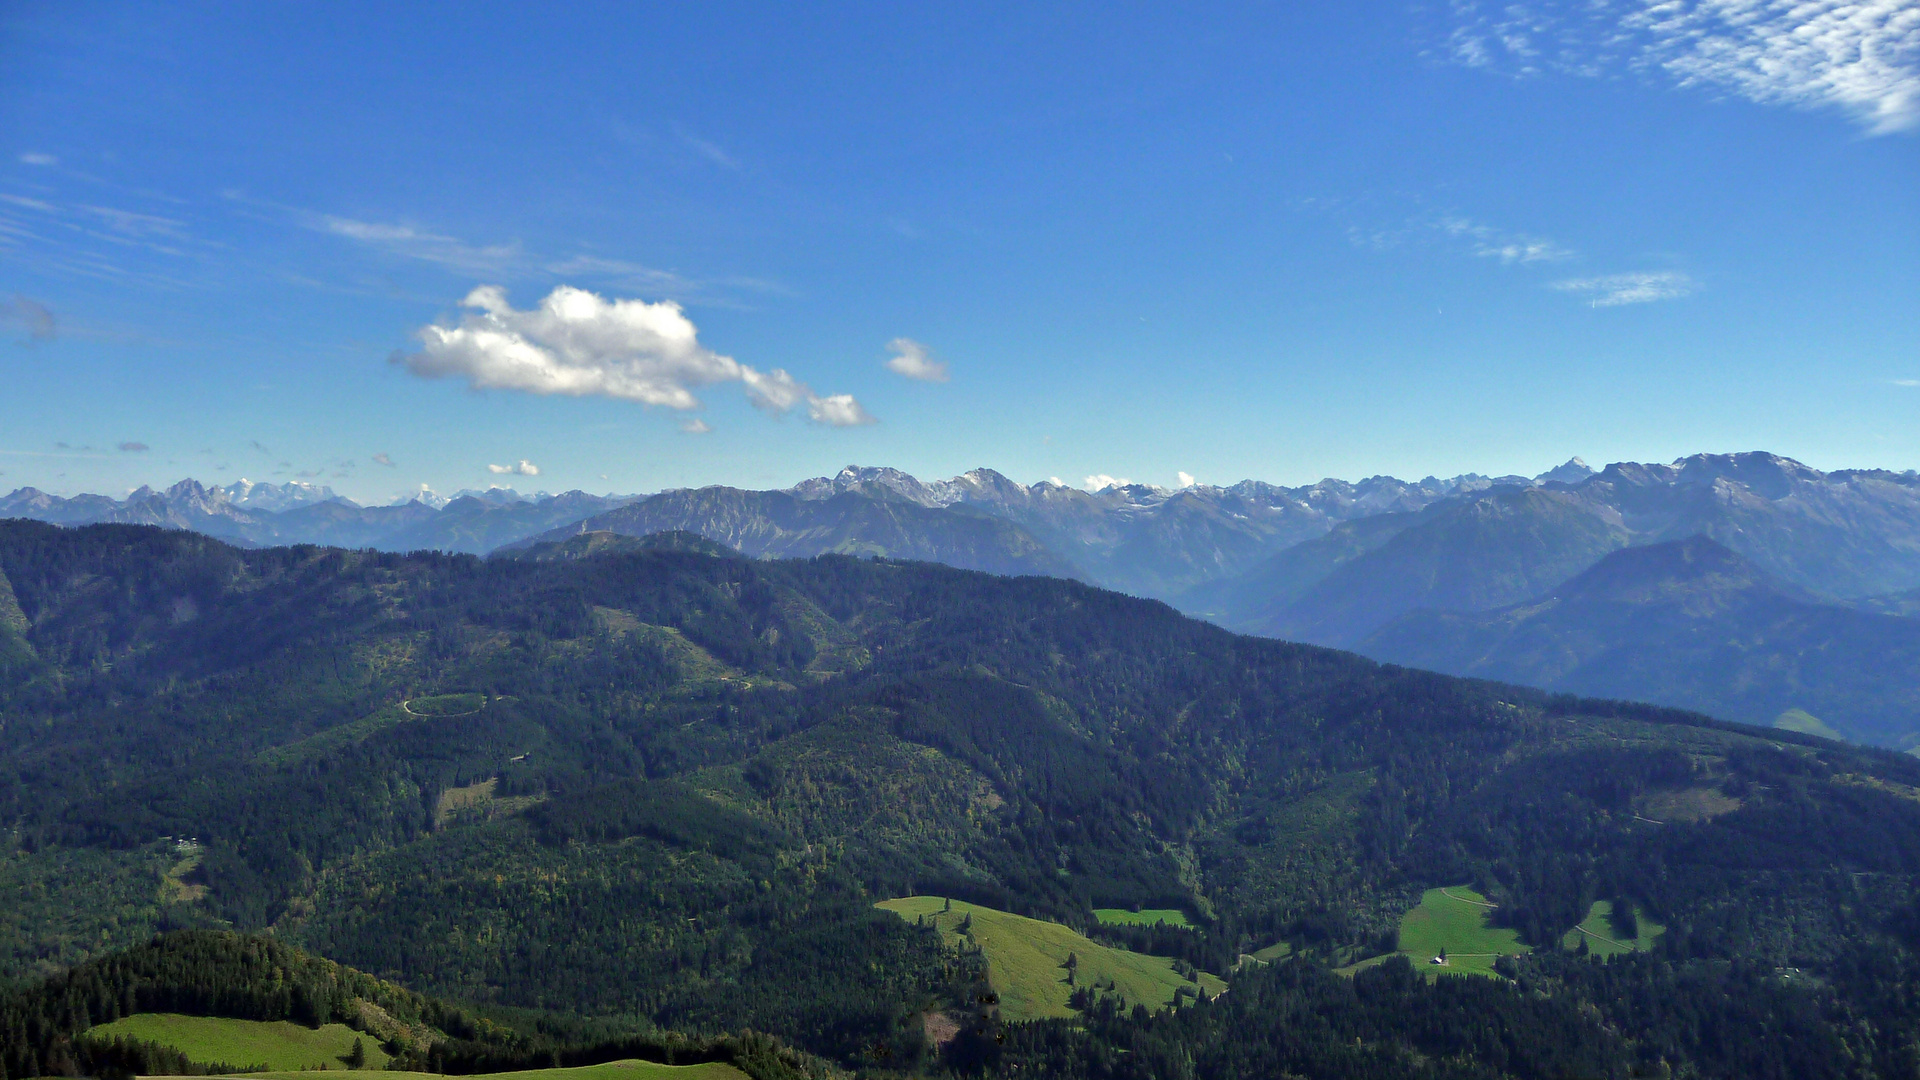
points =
(583, 345)
(709, 150)
(93, 240)
(1488, 242)
(412, 242)
(1616, 290)
(1861, 57)
(1476, 238)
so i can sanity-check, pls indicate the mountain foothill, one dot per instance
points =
(1460, 575)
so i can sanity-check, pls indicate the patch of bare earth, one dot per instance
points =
(1687, 804)
(940, 1027)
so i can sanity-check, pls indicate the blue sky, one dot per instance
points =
(1280, 241)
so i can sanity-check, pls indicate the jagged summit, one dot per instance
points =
(1574, 472)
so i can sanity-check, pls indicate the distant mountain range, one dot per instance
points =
(260, 515)
(1402, 570)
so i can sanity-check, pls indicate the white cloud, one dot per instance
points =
(1613, 290)
(34, 158)
(915, 361)
(838, 410)
(580, 344)
(1480, 239)
(624, 274)
(1905, 382)
(1186, 479)
(522, 468)
(1859, 56)
(1100, 481)
(414, 243)
(1488, 242)
(692, 426)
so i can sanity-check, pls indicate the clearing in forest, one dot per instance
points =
(1026, 960)
(1455, 920)
(1143, 917)
(241, 1044)
(612, 1070)
(444, 705)
(1604, 938)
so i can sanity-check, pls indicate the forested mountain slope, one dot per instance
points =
(1690, 624)
(52, 1028)
(1461, 555)
(778, 524)
(647, 781)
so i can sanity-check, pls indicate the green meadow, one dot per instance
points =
(279, 1044)
(1279, 950)
(612, 1070)
(1145, 917)
(1605, 939)
(445, 705)
(1454, 920)
(1026, 960)
(334, 738)
(1807, 724)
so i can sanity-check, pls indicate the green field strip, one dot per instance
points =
(612, 1070)
(277, 1044)
(1143, 917)
(1026, 958)
(334, 738)
(444, 706)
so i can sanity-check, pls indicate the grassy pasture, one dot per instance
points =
(1026, 958)
(280, 1044)
(1454, 919)
(445, 704)
(1807, 724)
(1144, 917)
(1279, 950)
(612, 1070)
(325, 742)
(1601, 937)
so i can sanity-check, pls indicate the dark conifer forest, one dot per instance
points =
(639, 800)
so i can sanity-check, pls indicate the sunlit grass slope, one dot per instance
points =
(1604, 939)
(1145, 917)
(612, 1070)
(1026, 960)
(212, 1040)
(1454, 919)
